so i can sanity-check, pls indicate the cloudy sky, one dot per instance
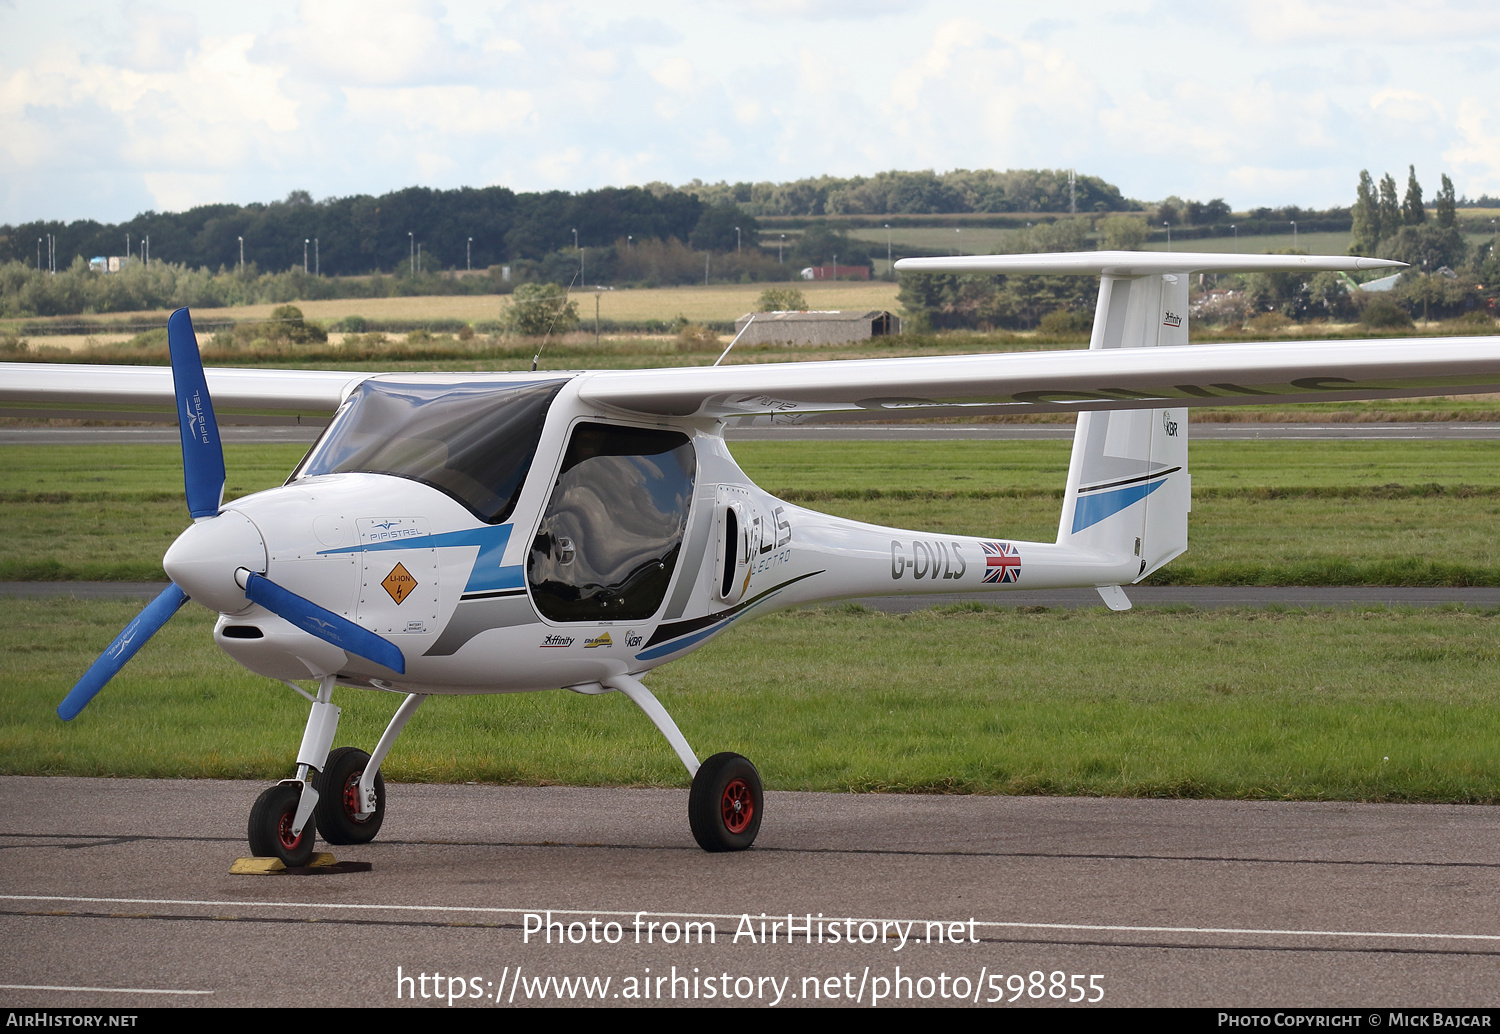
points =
(111, 107)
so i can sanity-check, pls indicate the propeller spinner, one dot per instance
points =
(219, 561)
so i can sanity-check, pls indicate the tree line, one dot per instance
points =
(421, 230)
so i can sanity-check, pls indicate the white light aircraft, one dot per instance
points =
(503, 533)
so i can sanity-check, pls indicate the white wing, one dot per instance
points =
(1115, 378)
(52, 388)
(1141, 263)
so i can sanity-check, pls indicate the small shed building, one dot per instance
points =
(833, 327)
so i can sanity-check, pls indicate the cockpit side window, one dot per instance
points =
(475, 441)
(611, 534)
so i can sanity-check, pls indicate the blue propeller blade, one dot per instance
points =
(202, 454)
(324, 624)
(146, 624)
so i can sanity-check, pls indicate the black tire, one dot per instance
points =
(338, 798)
(725, 803)
(271, 827)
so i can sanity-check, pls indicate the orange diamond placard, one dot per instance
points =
(399, 583)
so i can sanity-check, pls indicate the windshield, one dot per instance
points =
(475, 441)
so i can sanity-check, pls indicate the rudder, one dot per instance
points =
(1129, 490)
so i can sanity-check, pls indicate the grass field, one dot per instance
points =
(715, 302)
(1372, 705)
(1271, 704)
(1266, 513)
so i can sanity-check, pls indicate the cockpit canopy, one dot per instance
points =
(475, 442)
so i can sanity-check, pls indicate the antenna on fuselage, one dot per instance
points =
(555, 314)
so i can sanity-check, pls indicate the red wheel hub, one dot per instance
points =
(284, 831)
(737, 806)
(351, 798)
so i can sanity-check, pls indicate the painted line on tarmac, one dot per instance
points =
(1228, 931)
(104, 990)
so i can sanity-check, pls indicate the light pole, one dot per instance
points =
(469, 256)
(629, 242)
(888, 267)
(242, 254)
(1236, 231)
(581, 277)
(1294, 234)
(38, 254)
(305, 242)
(1169, 235)
(779, 245)
(317, 259)
(411, 242)
(736, 239)
(959, 238)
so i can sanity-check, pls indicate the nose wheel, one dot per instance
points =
(725, 803)
(270, 830)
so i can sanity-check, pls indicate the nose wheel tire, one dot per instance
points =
(338, 798)
(271, 827)
(725, 803)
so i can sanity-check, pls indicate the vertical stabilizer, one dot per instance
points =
(1128, 487)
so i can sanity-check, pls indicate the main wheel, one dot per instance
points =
(271, 827)
(725, 803)
(338, 798)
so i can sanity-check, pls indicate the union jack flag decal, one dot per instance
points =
(1002, 562)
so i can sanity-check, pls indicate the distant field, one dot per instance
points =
(716, 302)
(989, 240)
(1312, 243)
(975, 240)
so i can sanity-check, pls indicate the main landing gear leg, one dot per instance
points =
(352, 807)
(281, 821)
(726, 801)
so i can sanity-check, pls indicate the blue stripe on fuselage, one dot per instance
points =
(487, 575)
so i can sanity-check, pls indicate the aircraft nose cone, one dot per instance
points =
(204, 558)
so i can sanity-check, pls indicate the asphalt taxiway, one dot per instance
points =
(117, 893)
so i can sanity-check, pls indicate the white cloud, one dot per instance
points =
(675, 74)
(1399, 22)
(371, 43)
(1406, 106)
(1478, 155)
(168, 102)
(458, 111)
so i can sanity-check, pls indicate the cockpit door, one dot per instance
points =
(610, 537)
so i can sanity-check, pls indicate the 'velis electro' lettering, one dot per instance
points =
(927, 559)
(762, 532)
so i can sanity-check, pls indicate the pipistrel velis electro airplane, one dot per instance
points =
(502, 533)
